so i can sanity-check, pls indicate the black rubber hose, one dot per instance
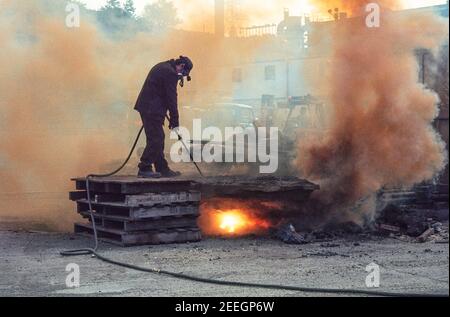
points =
(91, 212)
(93, 251)
(265, 286)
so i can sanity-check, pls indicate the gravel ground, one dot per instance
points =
(31, 266)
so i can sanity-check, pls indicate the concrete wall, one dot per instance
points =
(290, 78)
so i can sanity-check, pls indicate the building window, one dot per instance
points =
(236, 76)
(305, 40)
(269, 72)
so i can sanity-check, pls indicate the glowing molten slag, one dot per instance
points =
(232, 222)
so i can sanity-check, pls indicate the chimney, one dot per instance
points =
(286, 14)
(220, 18)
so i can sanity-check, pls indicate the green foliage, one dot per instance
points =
(161, 15)
(113, 18)
(118, 20)
(112, 4)
(129, 8)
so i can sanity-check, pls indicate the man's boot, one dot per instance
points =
(167, 172)
(148, 174)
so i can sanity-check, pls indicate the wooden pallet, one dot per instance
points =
(140, 238)
(425, 196)
(132, 211)
(138, 213)
(141, 200)
(134, 185)
(127, 225)
(263, 187)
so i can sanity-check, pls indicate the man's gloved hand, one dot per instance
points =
(177, 131)
(173, 125)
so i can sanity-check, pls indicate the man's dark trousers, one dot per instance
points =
(154, 150)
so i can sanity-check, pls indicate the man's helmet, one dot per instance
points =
(188, 65)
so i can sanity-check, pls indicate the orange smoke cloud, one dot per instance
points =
(353, 7)
(67, 98)
(58, 89)
(380, 128)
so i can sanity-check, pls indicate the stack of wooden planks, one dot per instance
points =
(426, 196)
(135, 211)
(132, 211)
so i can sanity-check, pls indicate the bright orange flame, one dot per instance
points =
(233, 222)
(236, 217)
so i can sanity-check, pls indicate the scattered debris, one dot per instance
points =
(407, 224)
(288, 234)
(425, 235)
(412, 224)
(388, 228)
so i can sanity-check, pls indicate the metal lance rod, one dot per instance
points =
(187, 149)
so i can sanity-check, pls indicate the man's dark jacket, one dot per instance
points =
(159, 93)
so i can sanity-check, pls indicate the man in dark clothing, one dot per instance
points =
(157, 97)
